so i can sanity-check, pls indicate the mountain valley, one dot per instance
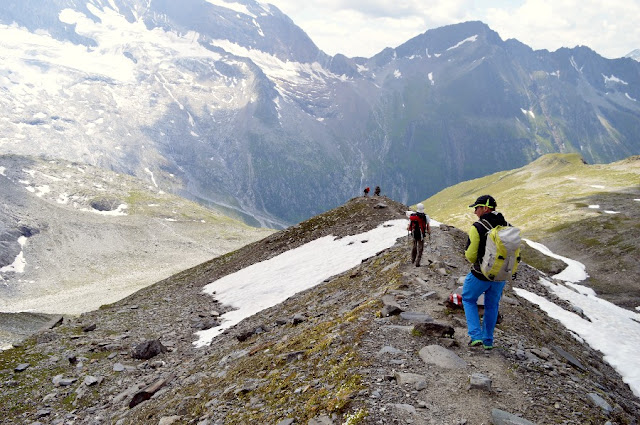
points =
(75, 237)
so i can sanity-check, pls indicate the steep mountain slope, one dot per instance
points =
(75, 237)
(232, 105)
(326, 355)
(589, 212)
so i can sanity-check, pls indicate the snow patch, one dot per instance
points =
(597, 186)
(594, 207)
(575, 65)
(466, 40)
(630, 98)
(236, 7)
(528, 113)
(397, 73)
(611, 212)
(42, 190)
(2, 171)
(276, 69)
(614, 79)
(63, 198)
(19, 263)
(260, 33)
(575, 271)
(265, 284)
(153, 179)
(430, 75)
(610, 329)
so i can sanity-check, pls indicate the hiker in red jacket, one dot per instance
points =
(419, 228)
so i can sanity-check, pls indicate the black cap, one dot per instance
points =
(484, 201)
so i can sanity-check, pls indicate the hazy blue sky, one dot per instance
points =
(365, 27)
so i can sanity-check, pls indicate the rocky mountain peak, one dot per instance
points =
(634, 54)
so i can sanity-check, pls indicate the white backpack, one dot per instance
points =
(501, 253)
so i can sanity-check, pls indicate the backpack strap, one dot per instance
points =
(485, 225)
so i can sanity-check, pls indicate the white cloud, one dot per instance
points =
(364, 28)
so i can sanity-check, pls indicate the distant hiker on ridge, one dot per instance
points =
(377, 191)
(492, 266)
(366, 191)
(419, 228)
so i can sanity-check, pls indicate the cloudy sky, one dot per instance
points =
(365, 27)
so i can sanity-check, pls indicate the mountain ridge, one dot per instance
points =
(326, 355)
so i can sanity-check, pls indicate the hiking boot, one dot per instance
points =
(487, 347)
(475, 343)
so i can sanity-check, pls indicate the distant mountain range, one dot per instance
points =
(233, 105)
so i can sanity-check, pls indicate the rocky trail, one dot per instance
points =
(378, 344)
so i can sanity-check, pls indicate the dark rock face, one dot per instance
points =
(105, 204)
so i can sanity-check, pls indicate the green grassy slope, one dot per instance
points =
(553, 201)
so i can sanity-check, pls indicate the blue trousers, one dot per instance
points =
(471, 290)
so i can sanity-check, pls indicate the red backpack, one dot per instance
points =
(418, 226)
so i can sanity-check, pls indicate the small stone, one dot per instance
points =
(91, 380)
(168, 420)
(42, 413)
(118, 367)
(22, 367)
(442, 357)
(598, 401)
(416, 317)
(59, 381)
(480, 381)
(90, 328)
(409, 378)
(389, 350)
(500, 417)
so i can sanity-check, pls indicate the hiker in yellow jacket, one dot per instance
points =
(476, 284)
